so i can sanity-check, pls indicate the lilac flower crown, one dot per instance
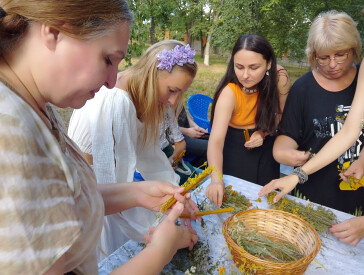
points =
(180, 55)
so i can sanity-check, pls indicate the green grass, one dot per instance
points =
(207, 78)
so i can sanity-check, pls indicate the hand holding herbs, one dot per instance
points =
(168, 237)
(189, 185)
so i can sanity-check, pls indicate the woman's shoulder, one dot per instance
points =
(280, 68)
(305, 80)
(15, 111)
(110, 98)
(231, 87)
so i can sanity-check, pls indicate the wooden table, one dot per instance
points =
(334, 257)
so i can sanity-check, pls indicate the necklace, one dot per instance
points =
(249, 91)
(21, 82)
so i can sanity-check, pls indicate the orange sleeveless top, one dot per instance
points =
(245, 108)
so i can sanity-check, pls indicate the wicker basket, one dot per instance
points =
(274, 224)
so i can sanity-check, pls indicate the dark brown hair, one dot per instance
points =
(268, 100)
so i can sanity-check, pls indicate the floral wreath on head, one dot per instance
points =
(180, 55)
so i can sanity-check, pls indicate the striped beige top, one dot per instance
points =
(49, 204)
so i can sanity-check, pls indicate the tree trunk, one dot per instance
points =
(209, 35)
(152, 31)
(206, 60)
(202, 45)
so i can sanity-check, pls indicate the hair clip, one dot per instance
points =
(180, 55)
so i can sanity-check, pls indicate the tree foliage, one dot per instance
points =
(284, 23)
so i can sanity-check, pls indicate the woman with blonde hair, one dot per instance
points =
(62, 52)
(318, 106)
(118, 131)
(342, 141)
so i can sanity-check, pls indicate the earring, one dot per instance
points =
(267, 73)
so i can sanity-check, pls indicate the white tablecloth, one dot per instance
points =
(334, 257)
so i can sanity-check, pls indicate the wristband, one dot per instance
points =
(302, 176)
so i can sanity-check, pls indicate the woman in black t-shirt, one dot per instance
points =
(316, 109)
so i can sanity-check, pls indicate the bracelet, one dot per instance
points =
(302, 176)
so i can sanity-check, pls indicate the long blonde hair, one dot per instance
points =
(332, 30)
(84, 19)
(142, 87)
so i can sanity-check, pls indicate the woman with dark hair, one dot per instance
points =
(245, 112)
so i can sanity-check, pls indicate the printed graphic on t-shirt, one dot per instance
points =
(327, 127)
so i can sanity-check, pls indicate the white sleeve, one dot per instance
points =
(152, 163)
(125, 136)
(79, 130)
(113, 133)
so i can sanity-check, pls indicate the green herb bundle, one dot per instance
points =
(258, 245)
(196, 261)
(319, 217)
(235, 199)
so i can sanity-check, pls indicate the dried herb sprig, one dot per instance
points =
(260, 246)
(235, 199)
(319, 217)
(198, 260)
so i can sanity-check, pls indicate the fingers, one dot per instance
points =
(175, 212)
(343, 177)
(279, 196)
(151, 230)
(215, 192)
(186, 223)
(220, 195)
(285, 184)
(354, 171)
(148, 237)
(298, 158)
(302, 158)
(346, 237)
(266, 189)
(190, 206)
(173, 190)
(210, 193)
(202, 130)
(194, 239)
(350, 231)
(180, 198)
(254, 143)
(270, 187)
(169, 189)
